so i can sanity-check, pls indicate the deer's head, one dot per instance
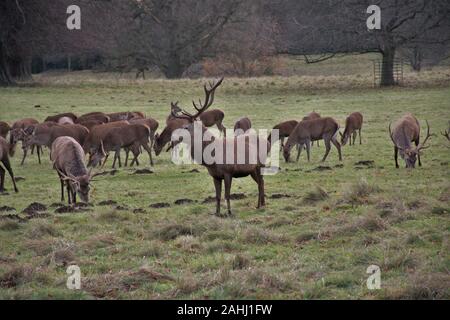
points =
(81, 184)
(97, 156)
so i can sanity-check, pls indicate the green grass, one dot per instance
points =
(308, 246)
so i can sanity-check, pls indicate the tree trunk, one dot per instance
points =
(174, 69)
(5, 75)
(387, 68)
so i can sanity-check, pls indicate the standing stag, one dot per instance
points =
(353, 126)
(241, 126)
(6, 150)
(4, 129)
(308, 131)
(68, 161)
(405, 131)
(226, 169)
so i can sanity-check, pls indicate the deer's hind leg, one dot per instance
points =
(218, 187)
(227, 182)
(7, 165)
(259, 179)
(2, 179)
(338, 146)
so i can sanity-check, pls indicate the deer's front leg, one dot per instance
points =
(218, 187)
(227, 182)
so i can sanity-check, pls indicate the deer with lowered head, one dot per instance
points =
(224, 170)
(284, 128)
(311, 116)
(242, 125)
(4, 129)
(132, 136)
(405, 131)
(308, 131)
(6, 150)
(68, 161)
(353, 126)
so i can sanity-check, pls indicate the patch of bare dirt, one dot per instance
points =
(6, 209)
(35, 207)
(139, 210)
(183, 201)
(237, 196)
(143, 171)
(18, 179)
(279, 196)
(159, 205)
(107, 203)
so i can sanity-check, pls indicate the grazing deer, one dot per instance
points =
(242, 125)
(68, 161)
(153, 125)
(56, 117)
(311, 116)
(90, 123)
(19, 131)
(4, 129)
(119, 116)
(100, 116)
(353, 126)
(6, 150)
(133, 136)
(308, 131)
(284, 128)
(225, 171)
(97, 134)
(44, 134)
(405, 131)
(162, 139)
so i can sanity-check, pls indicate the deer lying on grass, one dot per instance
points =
(133, 136)
(6, 150)
(99, 116)
(242, 125)
(405, 131)
(97, 134)
(4, 129)
(68, 161)
(56, 117)
(308, 131)
(19, 131)
(353, 126)
(225, 171)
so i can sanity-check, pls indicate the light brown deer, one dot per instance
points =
(133, 136)
(242, 125)
(311, 116)
(68, 161)
(284, 128)
(19, 131)
(4, 129)
(90, 123)
(153, 125)
(44, 134)
(308, 131)
(353, 126)
(165, 137)
(127, 115)
(6, 150)
(405, 131)
(225, 170)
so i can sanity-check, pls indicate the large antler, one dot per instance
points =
(209, 99)
(422, 145)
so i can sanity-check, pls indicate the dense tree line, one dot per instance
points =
(173, 35)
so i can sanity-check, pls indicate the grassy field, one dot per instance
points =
(320, 231)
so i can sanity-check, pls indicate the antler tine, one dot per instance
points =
(422, 145)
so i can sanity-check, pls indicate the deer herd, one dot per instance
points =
(95, 135)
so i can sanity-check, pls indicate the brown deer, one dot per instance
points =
(68, 161)
(4, 129)
(6, 150)
(311, 116)
(100, 116)
(162, 139)
(308, 131)
(225, 171)
(284, 128)
(353, 126)
(65, 120)
(97, 134)
(242, 125)
(90, 123)
(44, 134)
(153, 125)
(405, 131)
(56, 117)
(19, 131)
(133, 135)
